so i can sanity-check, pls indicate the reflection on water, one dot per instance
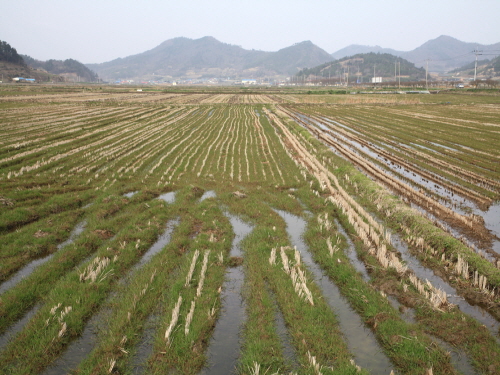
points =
(17, 327)
(29, 268)
(168, 197)
(360, 340)
(224, 348)
(144, 348)
(351, 253)
(424, 273)
(160, 243)
(208, 194)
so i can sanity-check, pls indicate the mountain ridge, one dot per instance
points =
(208, 57)
(444, 53)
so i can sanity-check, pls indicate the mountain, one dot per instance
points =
(355, 49)
(12, 65)
(291, 59)
(208, 57)
(70, 69)
(444, 53)
(9, 54)
(363, 66)
(485, 69)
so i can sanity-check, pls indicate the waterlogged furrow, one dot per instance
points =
(403, 127)
(131, 304)
(224, 348)
(374, 309)
(191, 306)
(73, 298)
(300, 301)
(434, 296)
(35, 241)
(30, 267)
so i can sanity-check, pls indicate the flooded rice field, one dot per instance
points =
(360, 339)
(173, 266)
(225, 345)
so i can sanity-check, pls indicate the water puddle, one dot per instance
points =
(80, 347)
(423, 273)
(168, 197)
(208, 194)
(29, 268)
(492, 223)
(341, 125)
(351, 253)
(17, 327)
(162, 241)
(443, 146)
(144, 348)
(130, 194)
(360, 340)
(83, 345)
(407, 314)
(286, 341)
(224, 348)
(459, 359)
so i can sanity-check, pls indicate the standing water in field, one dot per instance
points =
(29, 268)
(168, 197)
(79, 348)
(17, 327)
(144, 347)
(492, 223)
(162, 241)
(351, 254)
(82, 346)
(224, 347)
(289, 351)
(458, 358)
(360, 340)
(424, 273)
(208, 194)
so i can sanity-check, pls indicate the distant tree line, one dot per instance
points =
(9, 54)
(60, 67)
(362, 65)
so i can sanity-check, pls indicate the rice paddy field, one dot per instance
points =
(219, 231)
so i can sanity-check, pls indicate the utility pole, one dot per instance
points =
(394, 71)
(399, 75)
(426, 69)
(475, 65)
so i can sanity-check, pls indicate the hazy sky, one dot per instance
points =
(94, 31)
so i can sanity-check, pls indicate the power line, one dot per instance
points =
(450, 58)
